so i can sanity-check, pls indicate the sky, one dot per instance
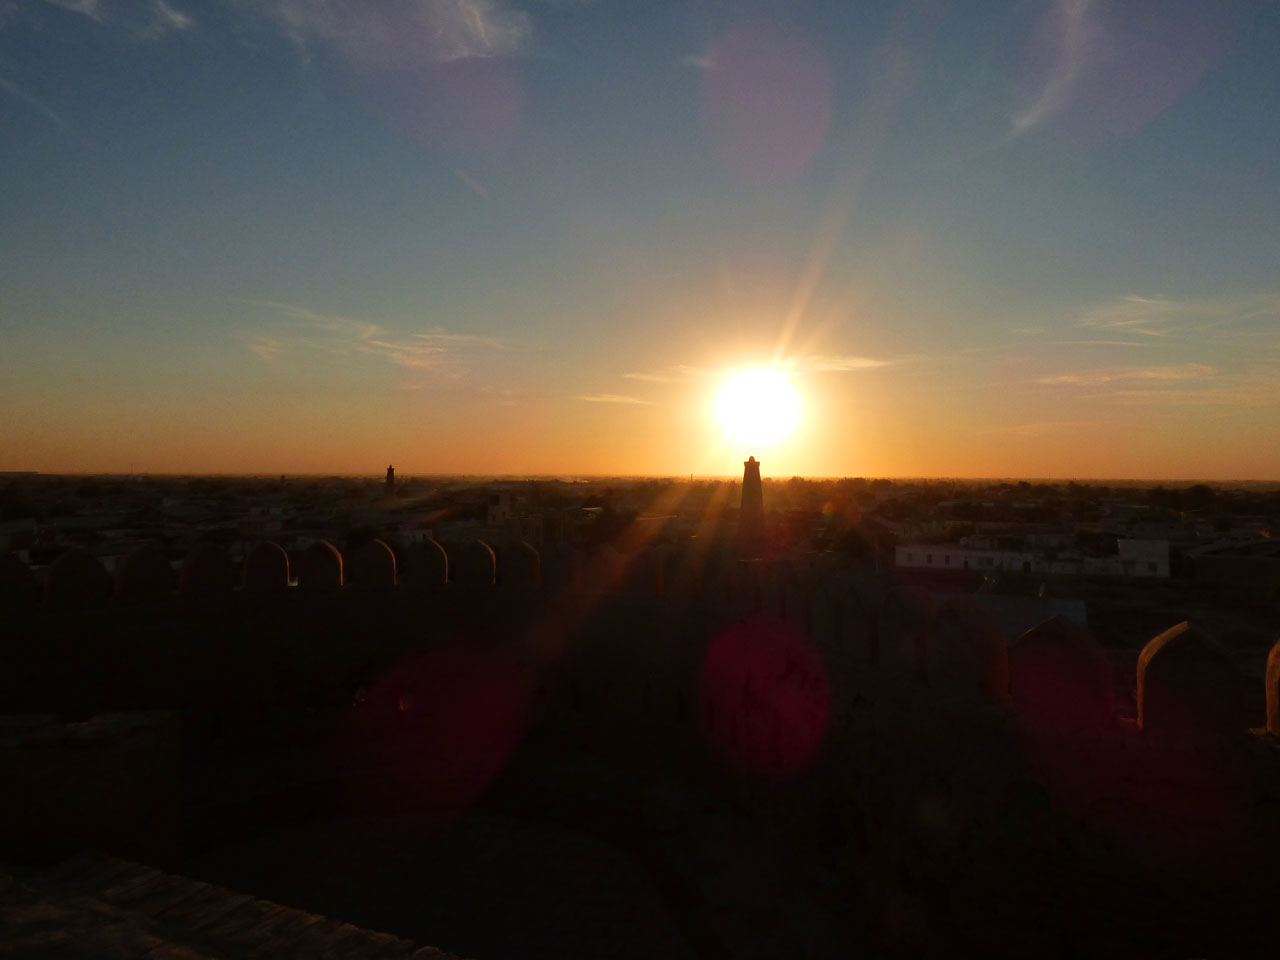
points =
(978, 238)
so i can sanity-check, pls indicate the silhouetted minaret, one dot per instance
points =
(751, 511)
(391, 481)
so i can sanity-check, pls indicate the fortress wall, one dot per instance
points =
(913, 728)
(138, 629)
(111, 782)
(848, 712)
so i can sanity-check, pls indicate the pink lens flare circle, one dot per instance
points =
(765, 100)
(765, 698)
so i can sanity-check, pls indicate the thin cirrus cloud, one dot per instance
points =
(811, 363)
(1241, 390)
(36, 104)
(434, 349)
(680, 373)
(1162, 316)
(166, 19)
(1105, 69)
(158, 18)
(1067, 32)
(1102, 343)
(612, 398)
(403, 33)
(89, 8)
(1147, 374)
(835, 363)
(1048, 428)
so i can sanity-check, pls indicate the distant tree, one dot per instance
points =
(1199, 497)
(856, 543)
(855, 487)
(65, 505)
(895, 508)
(15, 501)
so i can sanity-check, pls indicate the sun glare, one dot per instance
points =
(758, 406)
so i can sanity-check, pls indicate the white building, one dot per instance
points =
(1134, 558)
(499, 511)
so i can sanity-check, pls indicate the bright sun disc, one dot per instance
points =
(758, 406)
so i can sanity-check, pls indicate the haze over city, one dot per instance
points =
(487, 236)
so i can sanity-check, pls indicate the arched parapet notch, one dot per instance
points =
(320, 567)
(266, 568)
(918, 615)
(427, 564)
(145, 575)
(472, 563)
(1273, 691)
(1061, 676)
(17, 583)
(665, 560)
(1188, 687)
(373, 566)
(519, 566)
(981, 646)
(76, 580)
(598, 571)
(207, 572)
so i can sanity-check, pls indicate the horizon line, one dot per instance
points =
(569, 476)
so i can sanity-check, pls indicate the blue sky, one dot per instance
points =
(1028, 238)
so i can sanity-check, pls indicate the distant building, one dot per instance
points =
(499, 510)
(751, 529)
(391, 481)
(1143, 558)
(1133, 558)
(1255, 564)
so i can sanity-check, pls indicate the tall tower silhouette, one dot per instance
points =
(751, 533)
(391, 481)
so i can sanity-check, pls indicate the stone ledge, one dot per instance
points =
(94, 904)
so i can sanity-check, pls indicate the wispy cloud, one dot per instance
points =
(810, 363)
(1148, 374)
(1161, 316)
(266, 348)
(1102, 343)
(36, 104)
(612, 398)
(1069, 31)
(681, 373)
(434, 349)
(149, 20)
(89, 8)
(1049, 428)
(1245, 390)
(834, 363)
(394, 34)
(166, 19)
(471, 183)
(1103, 68)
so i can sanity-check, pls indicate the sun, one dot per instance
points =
(758, 406)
